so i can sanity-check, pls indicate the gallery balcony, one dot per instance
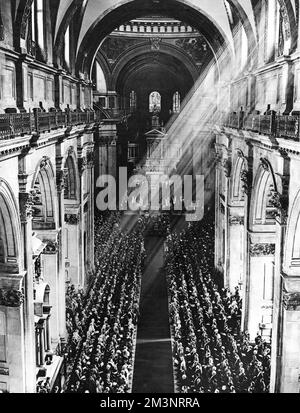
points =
(271, 124)
(19, 124)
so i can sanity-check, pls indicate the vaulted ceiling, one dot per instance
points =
(210, 17)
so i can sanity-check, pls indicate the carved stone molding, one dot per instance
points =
(61, 179)
(26, 13)
(26, 201)
(11, 298)
(155, 43)
(286, 20)
(51, 248)
(246, 181)
(71, 150)
(280, 203)
(45, 163)
(82, 165)
(262, 250)
(240, 153)
(90, 159)
(227, 167)
(71, 219)
(235, 220)
(291, 301)
(265, 164)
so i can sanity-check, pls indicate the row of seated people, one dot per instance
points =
(103, 322)
(107, 230)
(211, 355)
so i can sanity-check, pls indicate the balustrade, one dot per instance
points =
(18, 124)
(286, 127)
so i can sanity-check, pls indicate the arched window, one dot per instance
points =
(67, 47)
(176, 102)
(37, 19)
(155, 102)
(133, 100)
(36, 31)
(271, 14)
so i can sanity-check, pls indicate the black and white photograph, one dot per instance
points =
(149, 201)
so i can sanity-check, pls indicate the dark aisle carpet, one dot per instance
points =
(153, 370)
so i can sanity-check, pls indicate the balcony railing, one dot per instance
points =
(19, 124)
(279, 126)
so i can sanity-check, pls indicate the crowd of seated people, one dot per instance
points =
(102, 323)
(211, 355)
(154, 224)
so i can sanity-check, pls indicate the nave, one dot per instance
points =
(120, 338)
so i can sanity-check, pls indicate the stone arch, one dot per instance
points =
(243, 18)
(261, 209)
(10, 231)
(292, 243)
(143, 49)
(115, 16)
(43, 185)
(75, 6)
(103, 62)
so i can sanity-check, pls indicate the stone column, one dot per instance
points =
(236, 251)
(91, 183)
(260, 289)
(72, 226)
(106, 149)
(287, 86)
(22, 82)
(59, 89)
(13, 370)
(80, 95)
(82, 167)
(25, 200)
(251, 93)
(289, 374)
(49, 262)
(61, 259)
(218, 212)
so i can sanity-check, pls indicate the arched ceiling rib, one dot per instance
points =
(214, 10)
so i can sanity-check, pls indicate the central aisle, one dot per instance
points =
(153, 370)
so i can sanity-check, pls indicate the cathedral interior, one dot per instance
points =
(143, 300)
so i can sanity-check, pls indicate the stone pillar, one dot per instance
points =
(22, 82)
(80, 96)
(59, 89)
(72, 226)
(218, 210)
(289, 375)
(259, 292)
(91, 183)
(13, 368)
(61, 262)
(49, 263)
(236, 251)
(25, 200)
(287, 87)
(82, 167)
(251, 93)
(106, 149)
